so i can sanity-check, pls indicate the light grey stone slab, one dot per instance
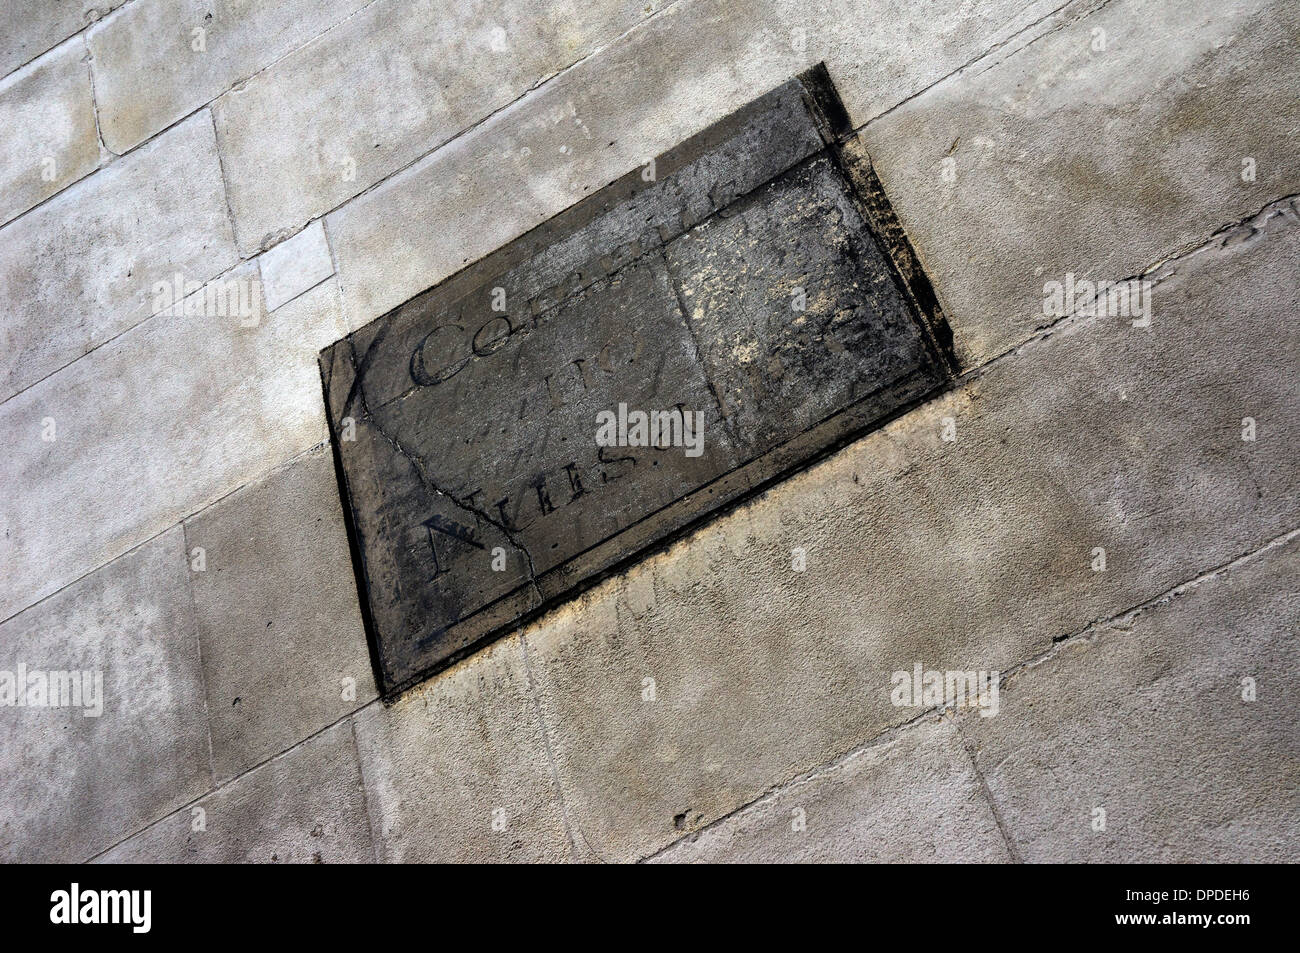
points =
(159, 60)
(49, 122)
(74, 785)
(665, 81)
(1146, 720)
(1064, 159)
(30, 27)
(965, 554)
(152, 427)
(402, 79)
(284, 650)
(295, 265)
(912, 799)
(306, 806)
(83, 267)
(456, 770)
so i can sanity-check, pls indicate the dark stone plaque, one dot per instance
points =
(488, 432)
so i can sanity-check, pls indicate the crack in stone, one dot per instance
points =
(357, 397)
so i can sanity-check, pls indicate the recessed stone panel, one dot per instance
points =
(750, 290)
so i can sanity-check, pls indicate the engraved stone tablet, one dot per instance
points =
(691, 332)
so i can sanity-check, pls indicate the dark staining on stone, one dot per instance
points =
(759, 276)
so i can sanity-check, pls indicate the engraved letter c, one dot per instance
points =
(422, 376)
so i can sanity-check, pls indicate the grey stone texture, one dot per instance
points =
(284, 651)
(30, 27)
(1100, 162)
(1145, 719)
(670, 78)
(1105, 139)
(295, 265)
(82, 268)
(403, 79)
(49, 122)
(307, 806)
(970, 554)
(151, 427)
(191, 51)
(457, 769)
(75, 785)
(914, 798)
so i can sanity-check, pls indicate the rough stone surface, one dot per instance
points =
(667, 80)
(30, 27)
(150, 428)
(403, 79)
(295, 266)
(305, 807)
(912, 799)
(1146, 720)
(82, 268)
(457, 769)
(49, 122)
(276, 605)
(1066, 159)
(741, 283)
(152, 67)
(970, 554)
(74, 785)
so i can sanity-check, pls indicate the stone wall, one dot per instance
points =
(171, 515)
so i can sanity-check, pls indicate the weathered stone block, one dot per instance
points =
(1110, 143)
(403, 79)
(306, 806)
(966, 554)
(152, 427)
(84, 267)
(159, 60)
(744, 279)
(295, 265)
(74, 785)
(911, 799)
(284, 650)
(456, 770)
(30, 27)
(1137, 743)
(49, 122)
(667, 80)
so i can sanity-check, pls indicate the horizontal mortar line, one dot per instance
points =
(231, 780)
(255, 478)
(973, 373)
(537, 87)
(144, 320)
(1151, 272)
(320, 217)
(1096, 627)
(812, 774)
(71, 36)
(114, 156)
(992, 52)
(771, 793)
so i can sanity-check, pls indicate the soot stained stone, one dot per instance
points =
(755, 275)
